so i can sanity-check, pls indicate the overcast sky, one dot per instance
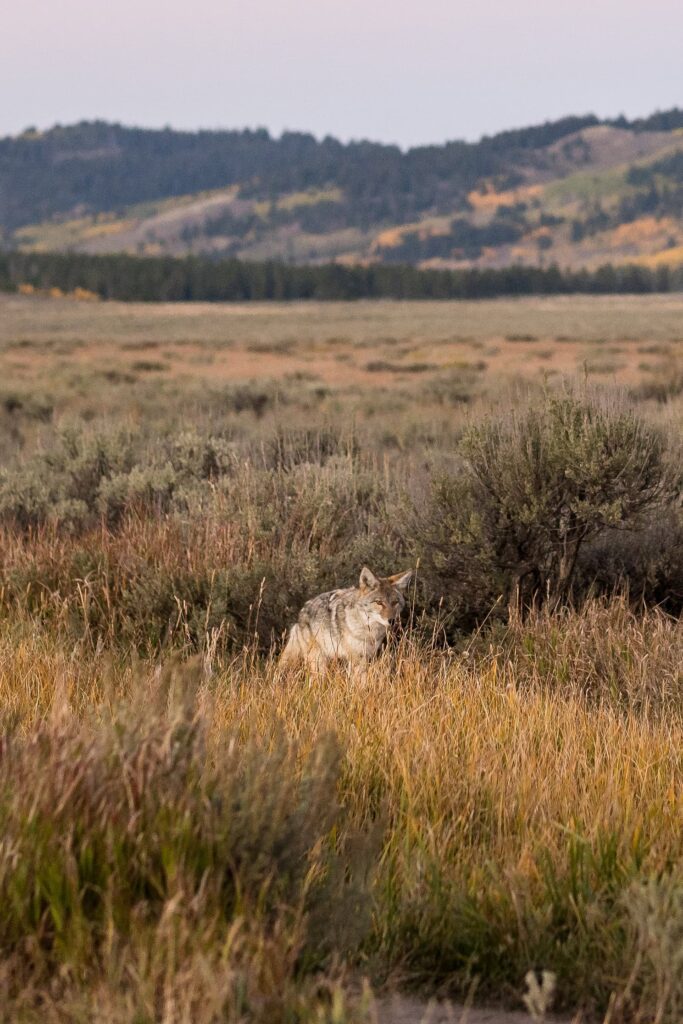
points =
(401, 72)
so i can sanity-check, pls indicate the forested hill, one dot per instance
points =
(102, 187)
(99, 167)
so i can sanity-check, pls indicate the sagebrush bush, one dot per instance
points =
(534, 488)
(62, 481)
(664, 384)
(644, 562)
(81, 475)
(178, 559)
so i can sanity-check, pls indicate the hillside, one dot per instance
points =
(579, 192)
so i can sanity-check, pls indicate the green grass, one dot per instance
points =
(587, 186)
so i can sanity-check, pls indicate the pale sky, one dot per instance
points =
(386, 70)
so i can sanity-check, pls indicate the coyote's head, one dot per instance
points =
(383, 597)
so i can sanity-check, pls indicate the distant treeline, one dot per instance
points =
(163, 279)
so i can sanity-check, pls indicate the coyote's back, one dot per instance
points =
(347, 625)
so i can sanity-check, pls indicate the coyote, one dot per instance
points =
(347, 625)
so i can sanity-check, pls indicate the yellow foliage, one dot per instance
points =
(672, 257)
(84, 295)
(107, 228)
(491, 200)
(390, 238)
(642, 229)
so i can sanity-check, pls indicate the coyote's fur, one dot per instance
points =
(347, 625)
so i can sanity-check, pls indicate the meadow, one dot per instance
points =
(191, 834)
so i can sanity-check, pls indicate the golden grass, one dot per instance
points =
(516, 815)
(451, 740)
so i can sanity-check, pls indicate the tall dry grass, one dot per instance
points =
(484, 814)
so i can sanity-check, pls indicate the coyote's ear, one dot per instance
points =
(368, 580)
(401, 579)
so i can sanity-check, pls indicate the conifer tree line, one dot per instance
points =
(167, 279)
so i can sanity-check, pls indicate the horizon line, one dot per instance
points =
(607, 120)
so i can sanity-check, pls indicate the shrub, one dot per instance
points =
(454, 387)
(152, 489)
(286, 448)
(180, 561)
(535, 487)
(382, 366)
(459, 580)
(645, 563)
(197, 456)
(81, 476)
(665, 384)
(26, 405)
(62, 481)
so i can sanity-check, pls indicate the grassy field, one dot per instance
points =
(192, 834)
